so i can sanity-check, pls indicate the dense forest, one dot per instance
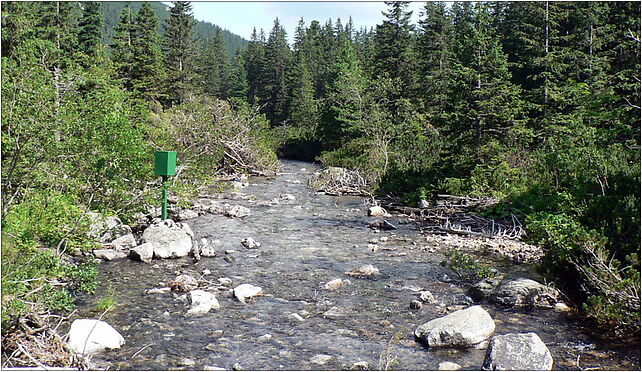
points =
(534, 103)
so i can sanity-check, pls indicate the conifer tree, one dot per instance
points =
(435, 55)
(255, 65)
(90, 29)
(393, 47)
(180, 52)
(277, 62)
(147, 61)
(58, 20)
(123, 48)
(215, 66)
(238, 87)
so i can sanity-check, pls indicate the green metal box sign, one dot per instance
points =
(165, 163)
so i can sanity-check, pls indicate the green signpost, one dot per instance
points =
(165, 166)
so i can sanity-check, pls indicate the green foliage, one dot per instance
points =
(35, 234)
(466, 266)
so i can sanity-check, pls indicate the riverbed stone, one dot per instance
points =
(109, 254)
(360, 366)
(246, 291)
(202, 303)
(296, 317)
(320, 359)
(143, 252)
(524, 293)
(448, 366)
(462, 328)
(250, 243)
(183, 283)
(517, 351)
(285, 197)
(170, 239)
(335, 284)
(186, 214)
(365, 270)
(376, 211)
(483, 289)
(92, 336)
(427, 297)
(238, 211)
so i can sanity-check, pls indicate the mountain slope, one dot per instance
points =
(112, 10)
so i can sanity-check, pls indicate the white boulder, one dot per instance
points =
(169, 239)
(143, 252)
(92, 336)
(250, 243)
(202, 303)
(245, 291)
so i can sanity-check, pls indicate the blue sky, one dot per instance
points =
(242, 17)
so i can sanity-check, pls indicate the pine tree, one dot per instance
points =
(303, 110)
(123, 48)
(277, 61)
(238, 87)
(394, 56)
(255, 65)
(435, 55)
(484, 104)
(215, 66)
(147, 71)
(348, 102)
(57, 24)
(180, 52)
(90, 29)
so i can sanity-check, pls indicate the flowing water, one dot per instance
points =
(305, 243)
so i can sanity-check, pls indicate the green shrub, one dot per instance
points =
(466, 266)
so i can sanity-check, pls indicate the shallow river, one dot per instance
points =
(306, 243)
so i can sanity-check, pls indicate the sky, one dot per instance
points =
(241, 17)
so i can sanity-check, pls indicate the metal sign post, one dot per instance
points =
(165, 166)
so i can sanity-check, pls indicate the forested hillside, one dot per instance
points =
(534, 103)
(112, 10)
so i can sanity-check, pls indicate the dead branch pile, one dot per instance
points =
(34, 343)
(453, 214)
(339, 181)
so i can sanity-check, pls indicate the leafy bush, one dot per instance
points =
(35, 272)
(466, 266)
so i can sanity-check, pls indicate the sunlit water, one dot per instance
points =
(306, 243)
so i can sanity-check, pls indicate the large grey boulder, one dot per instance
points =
(170, 239)
(518, 351)
(463, 328)
(91, 336)
(524, 293)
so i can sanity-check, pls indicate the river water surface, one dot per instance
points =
(307, 242)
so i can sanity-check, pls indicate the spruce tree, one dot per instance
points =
(435, 55)
(90, 29)
(215, 66)
(277, 62)
(123, 48)
(255, 66)
(238, 87)
(394, 56)
(147, 71)
(180, 52)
